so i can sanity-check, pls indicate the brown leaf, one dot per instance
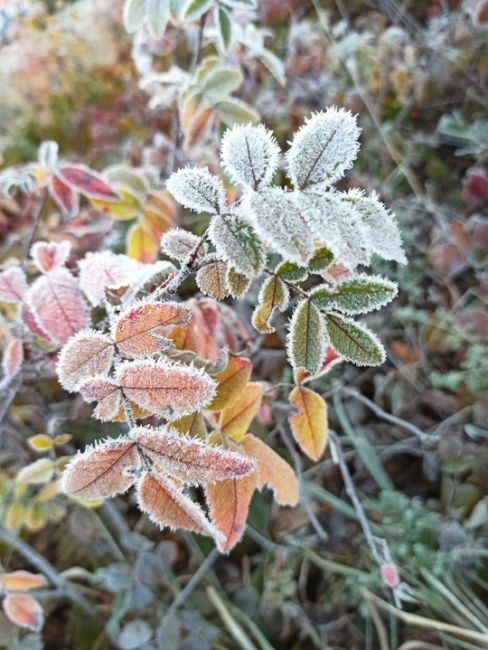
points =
(102, 471)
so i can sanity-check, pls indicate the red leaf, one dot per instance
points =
(24, 611)
(190, 460)
(64, 196)
(13, 284)
(57, 305)
(166, 505)
(102, 471)
(13, 357)
(87, 182)
(48, 256)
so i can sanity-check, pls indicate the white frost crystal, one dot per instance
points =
(197, 189)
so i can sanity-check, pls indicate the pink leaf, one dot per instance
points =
(64, 196)
(163, 389)
(102, 471)
(166, 505)
(191, 460)
(104, 391)
(390, 575)
(99, 271)
(57, 305)
(31, 323)
(24, 611)
(13, 357)
(87, 182)
(137, 330)
(48, 256)
(13, 284)
(86, 354)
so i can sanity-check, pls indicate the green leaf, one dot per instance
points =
(320, 260)
(307, 338)
(358, 295)
(196, 8)
(220, 82)
(134, 14)
(273, 63)
(354, 342)
(157, 16)
(237, 243)
(224, 27)
(291, 272)
(274, 294)
(233, 111)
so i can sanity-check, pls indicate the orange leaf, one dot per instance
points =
(190, 460)
(166, 505)
(102, 471)
(137, 330)
(24, 611)
(310, 426)
(165, 389)
(141, 245)
(229, 501)
(235, 419)
(85, 354)
(272, 471)
(22, 581)
(230, 382)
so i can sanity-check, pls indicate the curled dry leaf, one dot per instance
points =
(100, 271)
(190, 460)
(102, 471)
(24, 611)
(310, 426)
(86, 354)
(108, 395)
(163, 389)
(22, 581)
(235, 419)
(229, 500)
(13, 357)
(272, 471)
(137, 332)
(167, 505)
(48, 256)
(13, 284)
(56, 302)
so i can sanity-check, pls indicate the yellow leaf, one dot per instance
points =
(62, 439)
(128, 208)
(41, 442)
(49, 491)
(35, 517)
(14, 517)
(40, 471)
(230, 382)
(22, 581)
(310, 426)
(193, 425)
(235, 419)
(140, 244)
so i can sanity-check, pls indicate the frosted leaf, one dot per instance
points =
(307, 337)
(149, 278)
(102, 471)
(99, 271)
(25, 611)
(291, 272)
(197, 189)
(354, 342)
(249, 155)
(358, 295)
(163, 389)
(167, 506)
(134, 14)
(237, 243)
(320, 260)
(13, 357)
(48, 256)
(87, 353)
(324, 148)
(337, 225)
(65, 197)
(274, 294)
(47, 155)
(188, 459)
(139, 329)
(278, 220)
(106, 393)
(238, 283)
(178, 243)
(56, 302)
(13, 284)
(384, 236)
(211, 279)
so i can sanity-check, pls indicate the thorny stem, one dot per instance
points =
(47, 569)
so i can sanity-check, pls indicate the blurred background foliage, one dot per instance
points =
(414, 432)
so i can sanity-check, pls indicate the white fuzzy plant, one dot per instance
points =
(311, 229)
